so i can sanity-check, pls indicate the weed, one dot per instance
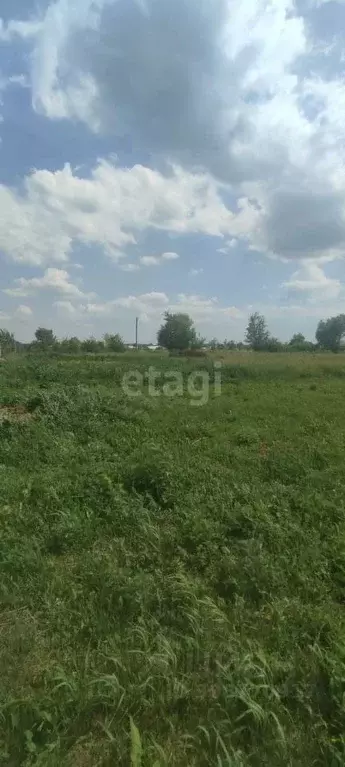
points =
(172, 578)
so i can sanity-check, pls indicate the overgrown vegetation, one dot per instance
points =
(178, 334)
(172, 577)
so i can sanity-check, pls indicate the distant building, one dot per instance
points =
(147, 347)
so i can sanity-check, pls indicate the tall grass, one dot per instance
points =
(172, 578)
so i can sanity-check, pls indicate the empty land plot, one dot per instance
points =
(176, 566)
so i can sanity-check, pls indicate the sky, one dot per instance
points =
(181, 155)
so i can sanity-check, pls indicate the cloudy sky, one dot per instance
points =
(171, 154)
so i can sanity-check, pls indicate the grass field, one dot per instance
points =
(172, 577)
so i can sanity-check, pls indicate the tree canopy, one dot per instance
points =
(297, 339)
(177, 333)
(7, 341)
(257, 334)
(114, 343)
(45, 337)
(329, 333)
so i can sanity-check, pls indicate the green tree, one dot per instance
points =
(274, 345)
(230, 345)
(92, 346)
(257, 334)
(178, 333)
(7, 341)
(299, 343)
(45, 338)
(298, 339)
(330, 333)
(70, 345)
(114, 343)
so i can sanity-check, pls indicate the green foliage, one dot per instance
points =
(172, 578)
(299, 343)
(7, 341)
(69, 345)
(92, 346)
(298, 339)
(177, 333)
(114, 343)
(257, 335)
(136, 750)
(274, 345)
(45, 338)
(329, 333)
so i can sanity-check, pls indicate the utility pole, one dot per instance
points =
(136, 332)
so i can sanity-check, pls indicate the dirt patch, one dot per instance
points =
(14, 414)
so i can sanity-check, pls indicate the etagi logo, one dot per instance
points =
(197, 385)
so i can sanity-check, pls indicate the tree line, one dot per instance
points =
(45, 340)
(178, 333)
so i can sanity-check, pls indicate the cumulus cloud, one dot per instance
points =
(23, 312)
(230, 245)
(66, 307)
(25, 30)
(129, 267)
(195, 272)
(158, 260)
(246, 91)
(180, 77)
(56, 280)
(311, 282)
(170, 256)
(149, 260)
(251, 94)
(151, 306)
(56, 210)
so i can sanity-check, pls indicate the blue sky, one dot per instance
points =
(184, 155)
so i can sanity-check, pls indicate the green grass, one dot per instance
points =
(172, 581)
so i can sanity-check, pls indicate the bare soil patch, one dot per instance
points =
(14, 413)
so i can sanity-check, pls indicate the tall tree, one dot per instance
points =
(45, 338)
(7, 341)
(330, 333)
(257, 334)
(177, 333)
(114, 343)
(92, 346)
(298, 339)
(70, 345)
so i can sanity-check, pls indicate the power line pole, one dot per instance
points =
(136, 332)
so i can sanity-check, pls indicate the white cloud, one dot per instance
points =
(204, 308)
(149, 260)
(151, 306)
(170, 256)
(311, 281)
(195, 272)
(149, 303)
(22, 29)
(157, 260)
(129, 267)
(66, 307)
(230, 245)
(242, 91)
(249, 111)
(229, 50)
(56, 280)
(23, 312)
(4, 316)
(54, 211)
